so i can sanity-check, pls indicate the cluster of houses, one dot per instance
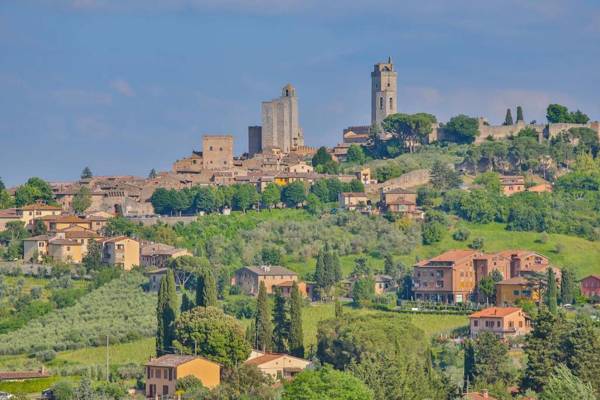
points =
(399, 201)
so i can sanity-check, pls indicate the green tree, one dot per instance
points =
(6, 200)
(563, 385)
(271, 195)
(85, 391)
(314, 205)
(326, 384)
(363, 291)
(35, 189)
(542, 349)
(321, 157)
(166, 312)
(293, 193)
(206, 289)
(187, 303)
(86, 173)
(432, 232)
(468, 364)
(462, 129)
(443, 177)
(508, 119)
(208, 332)
(551, 295)
(567, 286)
(357, 186)
(39, 228)
(410, 129)
(557, 113)
(63, 390)
(152, 174)
(487, 288)
(356, 154)
(490, 181)
(281, 323)
(82, 200)
(92, 261)
(271, 255)
(582, 349)
(296, 334)
(520, 114)
(492, 364)
(264, 328)
(2, 187)
(244, 197)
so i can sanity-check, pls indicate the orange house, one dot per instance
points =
(163, 372)
(510, 290)
(503, 321)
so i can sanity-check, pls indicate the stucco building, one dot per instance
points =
(509, 291)
(505, 322)
(278, 366)
(590, 286)
(158, 254)
(121, 251)
(162, 373)
(248, 279)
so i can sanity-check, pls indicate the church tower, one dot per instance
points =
(280, 122)
(384, 96)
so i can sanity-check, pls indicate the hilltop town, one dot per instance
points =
(410, 258)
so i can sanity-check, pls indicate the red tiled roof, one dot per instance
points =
(517, 280)
(478, 396)
(38, 206)
(495, 312)
(453, 255)
(19, 375)
(9, 213)
(174, 360)
(116, 239)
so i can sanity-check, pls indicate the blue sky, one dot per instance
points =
(128, 85)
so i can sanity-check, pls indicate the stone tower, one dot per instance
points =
(384, 98)
(280, 122)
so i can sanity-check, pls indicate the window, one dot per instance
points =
(165, 390)
(148, 373)
(381, 103)
(220, 149)
(68, 248)
(520, 324)
(439, 284)
(157, 373)
(498, 324)
(516, 292)
(511, 324)
(170, 374)
(210, 148)
(391, 102)
(475, 323)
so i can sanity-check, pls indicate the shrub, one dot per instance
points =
(461, 234)
(477, 243)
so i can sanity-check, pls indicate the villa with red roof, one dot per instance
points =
(503, 321)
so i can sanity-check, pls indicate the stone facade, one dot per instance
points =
(254, 140)
(217, 151)
(280, 122)
(384, 97)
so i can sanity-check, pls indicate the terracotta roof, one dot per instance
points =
(591, 276)
(383, 278)
(19, 375)
(517, 280)
(495, 312)
(267, 357)
(64, 242)
(31, 207)
(478, 396)
(400, 203)
(269, 270)
(173, 360)
(63, 219)
(452, 256)
(518, 253)
(116, 239)
(9, 213)
(285, 284)
(37, 238)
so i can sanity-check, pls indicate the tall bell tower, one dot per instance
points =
(384, 97)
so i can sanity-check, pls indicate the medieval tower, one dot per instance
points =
(384, 97)
(280, 122)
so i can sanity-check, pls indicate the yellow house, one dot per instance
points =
(163, 372)
(278, 366)
(59, 222)
(121, 251)
(34, 211)
(65, 250)
(510, 290)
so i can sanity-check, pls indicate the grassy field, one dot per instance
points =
(31, 282)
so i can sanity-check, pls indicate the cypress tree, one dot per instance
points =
(551, 292)
(567, 287)
(296, 334)
(186, 302)
(251, 334)
(469, 365)
(264, 329)
(337, 267)
(520, 114)
(200, 290)
(508, 120)
(329, 268)
(281, 324)
(339, 310)
(388, 265)
(166, 312)
(320, 274)
(210, 289)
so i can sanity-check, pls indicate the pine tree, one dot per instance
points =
(542, 348)
(469, 365)
(567, 286)
(520, 114)
(296, 334)
(186, 302)
(152, 174)
(281, 324)
(264, 329)
(210, 289)
(508, 120)
(582, 349)
(551, 292)
(86, 173)
(166, 312)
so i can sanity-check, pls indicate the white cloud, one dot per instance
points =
(123, 87)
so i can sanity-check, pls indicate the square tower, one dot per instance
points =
(217, 151)
(384, 98)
